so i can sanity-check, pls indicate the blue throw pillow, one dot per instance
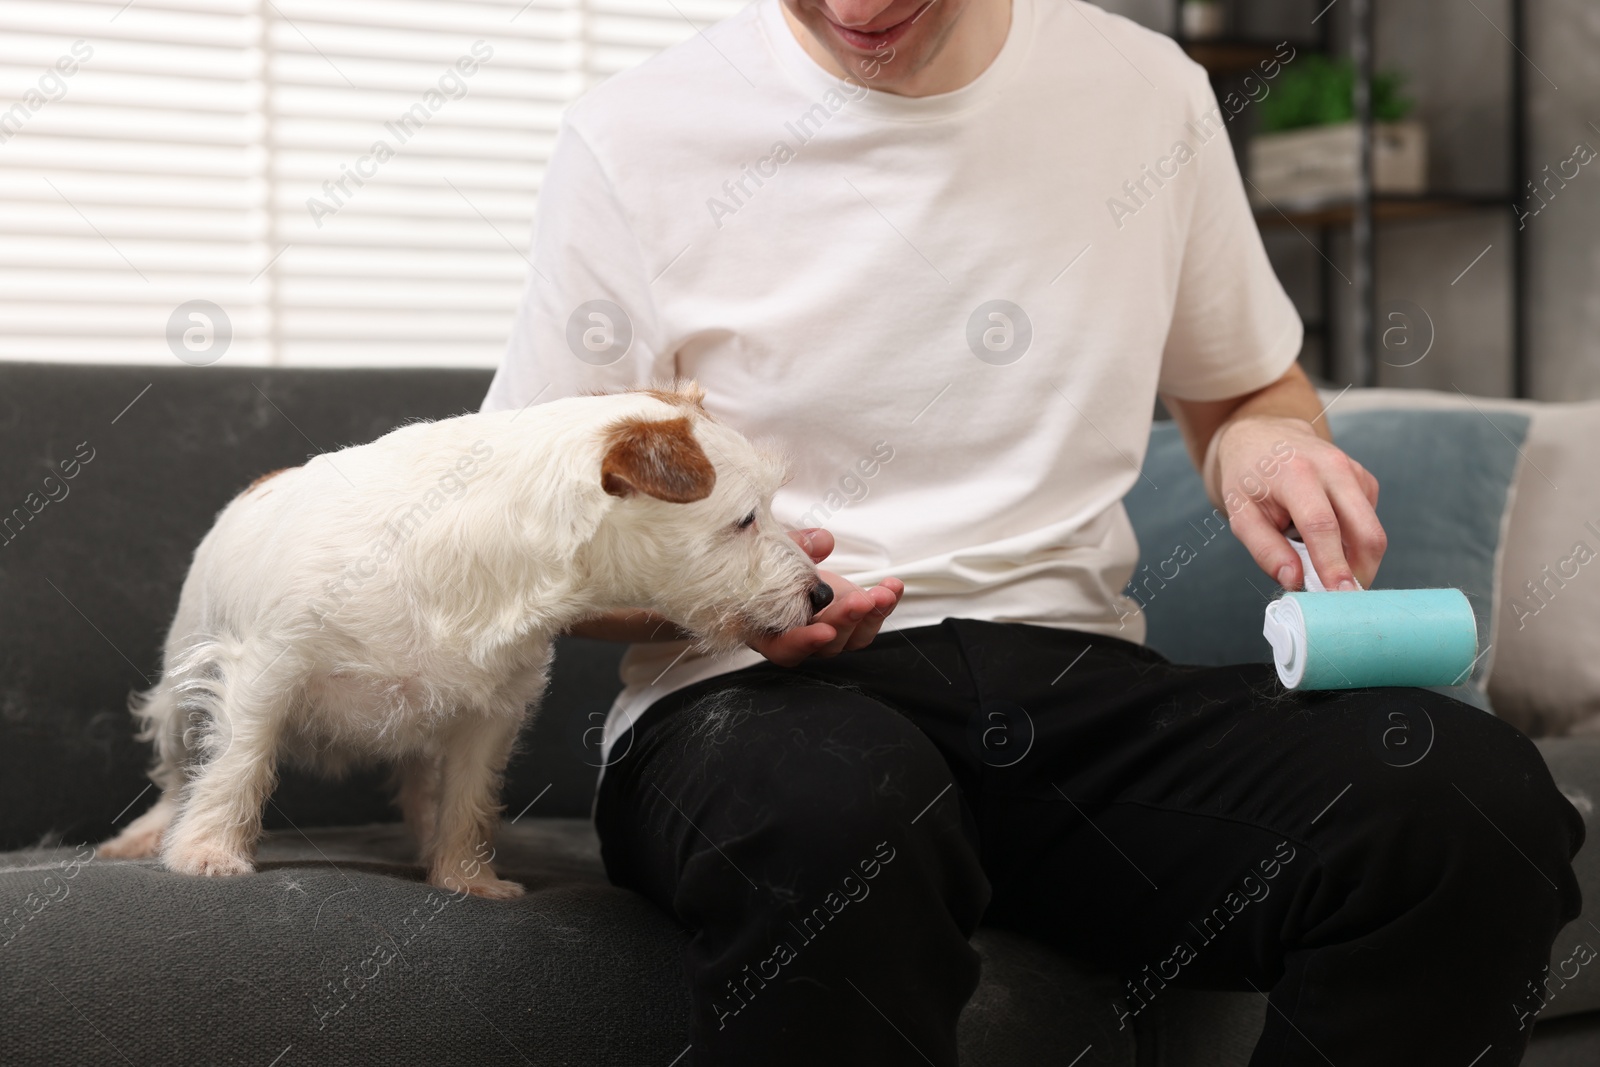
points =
(1444, 478)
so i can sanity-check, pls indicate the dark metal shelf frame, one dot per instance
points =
(1363, 215)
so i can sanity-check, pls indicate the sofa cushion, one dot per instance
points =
(335, 949)
(1445, 477)
(1546, 674)
(1575, 958)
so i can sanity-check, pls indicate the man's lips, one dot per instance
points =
(870, 41)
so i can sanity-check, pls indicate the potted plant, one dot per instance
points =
(1308, 152)
(1204, 19)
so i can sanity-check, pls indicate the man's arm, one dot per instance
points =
(1268, 459)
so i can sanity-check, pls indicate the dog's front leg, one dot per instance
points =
(476, 749)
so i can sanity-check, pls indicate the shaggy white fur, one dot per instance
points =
(396, 602)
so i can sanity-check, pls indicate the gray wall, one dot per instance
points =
(1565, 270)
(1458, 70)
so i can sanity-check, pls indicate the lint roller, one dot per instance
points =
(1370, 637)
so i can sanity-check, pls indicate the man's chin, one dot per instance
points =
(873, 72)
(911, 57)
(889, 62)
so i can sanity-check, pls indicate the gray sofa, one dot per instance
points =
(335, 951)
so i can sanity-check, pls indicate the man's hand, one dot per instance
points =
(1275, 470)
(851, 621)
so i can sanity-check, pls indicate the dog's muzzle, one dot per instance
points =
(820, 595)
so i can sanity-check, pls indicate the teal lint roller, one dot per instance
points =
(1370, 637)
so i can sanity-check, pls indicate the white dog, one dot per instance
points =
(396, 601)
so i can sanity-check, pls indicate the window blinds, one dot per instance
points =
(347, 181)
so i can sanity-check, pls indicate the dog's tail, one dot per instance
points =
(156, 711)
(179, 713)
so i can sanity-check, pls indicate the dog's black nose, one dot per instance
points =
(821, 596)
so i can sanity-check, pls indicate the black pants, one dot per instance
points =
(1391, 865)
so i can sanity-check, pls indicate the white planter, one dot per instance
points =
(1203, 19)
(1307, 168)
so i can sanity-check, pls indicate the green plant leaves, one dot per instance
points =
(1318, 91)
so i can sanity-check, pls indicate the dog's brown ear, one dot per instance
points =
(657, 457)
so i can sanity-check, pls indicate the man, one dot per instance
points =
(948, 254)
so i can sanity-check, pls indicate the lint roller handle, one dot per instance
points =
(1312, 583)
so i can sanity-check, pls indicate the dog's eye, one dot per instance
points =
(746, 522)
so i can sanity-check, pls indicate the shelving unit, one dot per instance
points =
(1384, 209)
(1367, 212)
(1231, 56)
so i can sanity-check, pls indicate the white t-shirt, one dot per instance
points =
(953, 312)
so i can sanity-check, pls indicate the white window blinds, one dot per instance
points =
(349, 181)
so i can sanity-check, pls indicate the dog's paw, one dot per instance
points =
(131, 844)
(207, 860)
(496, 889)
(485, 885)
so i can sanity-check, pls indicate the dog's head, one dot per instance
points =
(690, 533)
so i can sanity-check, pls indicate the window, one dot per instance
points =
(348, 181)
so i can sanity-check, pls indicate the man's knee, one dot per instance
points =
(824, 784)
(1467, 789)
